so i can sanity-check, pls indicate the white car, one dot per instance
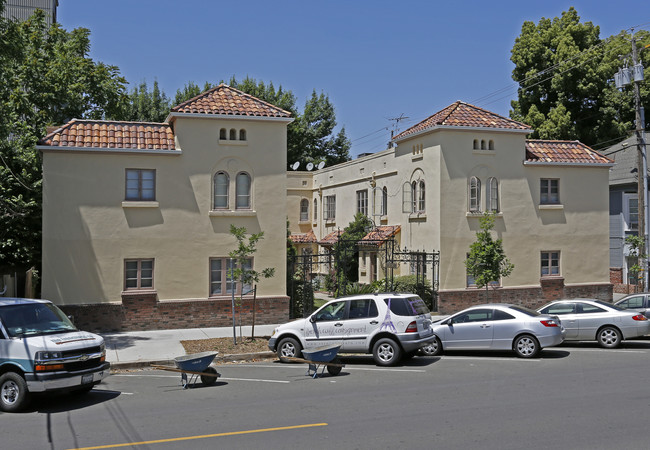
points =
(389, 326)
(588, 320)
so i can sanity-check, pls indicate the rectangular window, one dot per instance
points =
(221, 282)
(138, 274)
(549, 191)
(631, 211)
(550, 262)
(362, 202)
(330, 207)
(140, 185)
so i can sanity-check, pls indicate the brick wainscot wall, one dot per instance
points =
(143, 311)
(551, 288)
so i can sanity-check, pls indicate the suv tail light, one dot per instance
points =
(412, 328)
(640, 317)
(549, 323)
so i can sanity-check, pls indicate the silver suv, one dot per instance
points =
(390, 326)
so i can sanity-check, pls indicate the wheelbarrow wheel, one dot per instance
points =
(335, 370)
(208, 380)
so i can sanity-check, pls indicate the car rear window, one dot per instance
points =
(524, 310)
(610, 305)
(410, 306)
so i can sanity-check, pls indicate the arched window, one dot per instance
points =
(475, 146)
(492, 195)
(407, 198)
(482, 144)
(315, 209)
(491, 145)
(414, 196)
(421, 202)
(304, 210)
(233, 134)
(242, 135)
(384, 201)
(222, 134)
(243, 191)
(221, 182)
(474, 194)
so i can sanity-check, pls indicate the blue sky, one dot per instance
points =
(376, 59)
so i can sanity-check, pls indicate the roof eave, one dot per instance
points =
(56, 148)
(454, 127)
(552, 163)
(175, 114)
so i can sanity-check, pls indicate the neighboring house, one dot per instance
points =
(22, 10)
(623, 212)
(136, 216)
(550, 199)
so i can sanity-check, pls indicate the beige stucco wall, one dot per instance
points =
(87, 232)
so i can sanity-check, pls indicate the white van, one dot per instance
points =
(42, 351)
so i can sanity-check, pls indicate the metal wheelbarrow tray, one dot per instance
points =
(325, 356)
(197, 365)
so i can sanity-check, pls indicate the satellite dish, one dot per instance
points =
(320, 165)
(310, 166)
(295, 165)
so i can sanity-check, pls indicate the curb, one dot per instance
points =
(145, 364)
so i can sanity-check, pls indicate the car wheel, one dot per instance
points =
(386, 352)
(208, 380)
(13, 392)
(433, 349)
(288, 348)
(609, 337)
(526, 346)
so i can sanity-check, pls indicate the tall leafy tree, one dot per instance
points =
(565, 71)
(487, 261)
(147, 106)
(46, 78)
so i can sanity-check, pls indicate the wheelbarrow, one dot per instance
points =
(325, 356)
(197, 365)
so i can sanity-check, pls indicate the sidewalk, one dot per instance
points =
(138, 349)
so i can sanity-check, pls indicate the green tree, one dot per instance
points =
(46, 78)
(242, 270)
(147, 106)
(636, 270)
(565, 72)
(346, 252)
(487, 262)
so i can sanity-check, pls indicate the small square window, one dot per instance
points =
(140, 185)
(549, 191)
(138, 274)
(550, 262)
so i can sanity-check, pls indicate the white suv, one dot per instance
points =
(389, 326)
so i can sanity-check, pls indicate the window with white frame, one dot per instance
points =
(330, 207)
(420, 206)
(492, 195)
(243, 191)
(549, 191)
(384, 201)
(407, 198)
(140, 185)
(138, 274)
(474, 194)
(315, 209)
(221, 282)
(304, 210)
(550, 263)
(362, 202)
(221, 183)
(631, 211)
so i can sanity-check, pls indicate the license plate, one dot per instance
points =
(87, 379)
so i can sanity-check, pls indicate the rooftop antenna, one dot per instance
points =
(295, 165)
(396, 127)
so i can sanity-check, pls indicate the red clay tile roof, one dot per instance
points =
(461, 114)
(331, 238)
(306, 238)
(109, 134)
(380, 234)
(225, 100)
(563, 152)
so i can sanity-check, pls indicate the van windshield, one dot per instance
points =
(34, 319)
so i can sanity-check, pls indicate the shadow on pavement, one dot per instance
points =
(62, 402)
(121, 342)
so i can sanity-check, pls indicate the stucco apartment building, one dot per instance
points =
(136, 216)
(431, 188)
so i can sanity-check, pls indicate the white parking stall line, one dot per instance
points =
(347, 367)
(487, 358)
(220, 378)
(599, 350)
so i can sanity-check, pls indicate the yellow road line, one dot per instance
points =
(205, 436)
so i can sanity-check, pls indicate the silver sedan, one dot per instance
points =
(588, 320)
(496, 327)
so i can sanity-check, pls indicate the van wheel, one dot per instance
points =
(13, 392)
(386, 352)
(288, 348)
